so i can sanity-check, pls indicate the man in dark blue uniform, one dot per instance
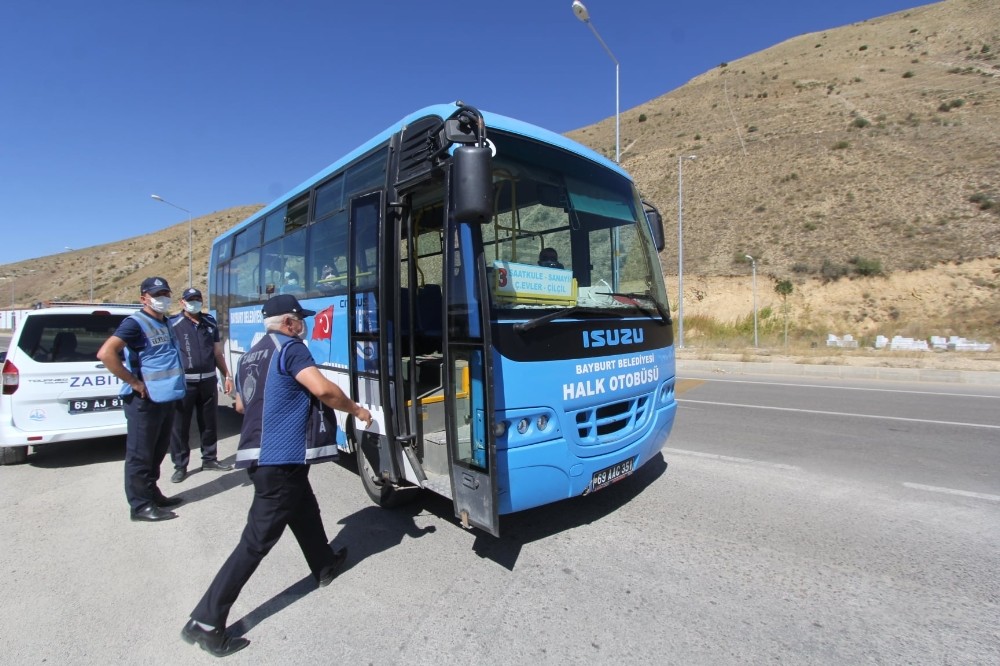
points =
(279, 390)
(143, 354)
(201, 353)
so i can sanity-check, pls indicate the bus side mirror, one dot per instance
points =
(655, 225)
(472, 184)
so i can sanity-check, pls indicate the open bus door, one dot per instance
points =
(371, 373)
(468, 371)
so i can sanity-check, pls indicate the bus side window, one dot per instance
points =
(328, 255)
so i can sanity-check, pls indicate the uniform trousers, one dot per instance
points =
(202, 400)
(282, 496)
(147, 439)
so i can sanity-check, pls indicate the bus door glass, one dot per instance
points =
(368, 345)
(468, 375)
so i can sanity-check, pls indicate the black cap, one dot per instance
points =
(153, 285)
(285, 304)
(191, 294)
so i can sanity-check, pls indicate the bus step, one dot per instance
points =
(439, 483)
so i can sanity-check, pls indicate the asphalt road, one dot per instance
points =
(827, 523)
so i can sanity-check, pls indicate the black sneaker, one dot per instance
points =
(178, 475)
(215, 466)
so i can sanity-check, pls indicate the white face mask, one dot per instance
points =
(194, 307)
(159, 304)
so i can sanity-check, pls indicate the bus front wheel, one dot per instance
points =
(383, 493)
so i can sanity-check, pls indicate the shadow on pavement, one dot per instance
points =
(220, 483)
(75, 454)
(365, 533)
(524, 527)
(372, 530)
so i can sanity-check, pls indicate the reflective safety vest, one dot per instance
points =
(283, 424)
(158, 364)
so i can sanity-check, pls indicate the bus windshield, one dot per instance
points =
(567, 233)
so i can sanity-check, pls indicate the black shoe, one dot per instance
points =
(330, 571)
(215, 466)
(179, 475)
(152, 514)
(214, 641)
(164, 502)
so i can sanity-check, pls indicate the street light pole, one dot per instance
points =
(190, 238)
(581, 13)
(753, 268)
(680, 247)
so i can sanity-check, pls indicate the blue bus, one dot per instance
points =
(490, 291)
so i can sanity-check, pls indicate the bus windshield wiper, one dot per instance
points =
(544, 319)
(635, 295)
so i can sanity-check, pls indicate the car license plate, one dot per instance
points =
(85, 405)
(609, 475)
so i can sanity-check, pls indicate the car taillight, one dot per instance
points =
(11, 378)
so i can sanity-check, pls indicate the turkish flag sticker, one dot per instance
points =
(323, 325)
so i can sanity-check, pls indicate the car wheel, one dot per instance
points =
(13, 455)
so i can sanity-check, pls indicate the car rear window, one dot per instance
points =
(61, 338)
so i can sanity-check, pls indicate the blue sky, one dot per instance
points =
(218, 103)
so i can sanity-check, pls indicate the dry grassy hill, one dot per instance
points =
(116, 269)
(871, 146)
(874, 146)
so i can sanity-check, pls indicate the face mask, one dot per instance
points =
(159, 304)
(193, 307)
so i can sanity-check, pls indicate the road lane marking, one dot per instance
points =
(860, 416)
(745, 461)
(847, 388)
(684, 385)
(952, 491)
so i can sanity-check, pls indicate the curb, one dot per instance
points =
(843, 372)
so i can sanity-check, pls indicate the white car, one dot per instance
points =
(54, 388)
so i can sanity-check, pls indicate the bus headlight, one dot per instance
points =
(542, 421)
(522, 426)
(499, 429)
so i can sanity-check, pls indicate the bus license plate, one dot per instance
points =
(85, 405)
(609, 475)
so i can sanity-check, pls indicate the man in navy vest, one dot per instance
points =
(201, 353)
(279, 391)
(143, 354)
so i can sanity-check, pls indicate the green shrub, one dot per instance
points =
(860, 122)
(863, 47)
(832, 272)
(983, 200)
(866, 267)
(642, 117)
(908, 75)
(841, 145)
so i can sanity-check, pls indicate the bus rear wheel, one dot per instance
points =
(383, 493)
